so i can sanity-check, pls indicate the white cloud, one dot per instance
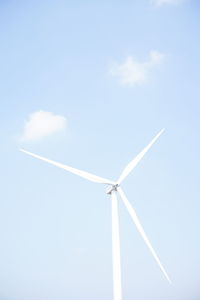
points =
(163, 2)
(132, 72)
(41, 124)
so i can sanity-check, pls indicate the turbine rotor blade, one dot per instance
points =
(141, 230)
(80, 173)
(136, 160)
(116, 249)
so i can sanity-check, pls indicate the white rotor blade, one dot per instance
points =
(141, 230)
(116, 249)
(83, 174)
(136, 160)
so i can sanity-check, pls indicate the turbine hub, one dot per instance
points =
(111, 188)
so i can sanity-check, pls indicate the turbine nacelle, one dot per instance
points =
(111, 188)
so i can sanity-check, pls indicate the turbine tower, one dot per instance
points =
(114, 188)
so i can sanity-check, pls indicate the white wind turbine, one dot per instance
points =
(112, 190)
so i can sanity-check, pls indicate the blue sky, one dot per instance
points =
(90, 62)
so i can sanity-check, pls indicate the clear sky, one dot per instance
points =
(106, 77)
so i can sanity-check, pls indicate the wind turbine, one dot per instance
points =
(114, 188)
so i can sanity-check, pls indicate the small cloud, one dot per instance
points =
(132, 72)
(163, 2)
(41, 124)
